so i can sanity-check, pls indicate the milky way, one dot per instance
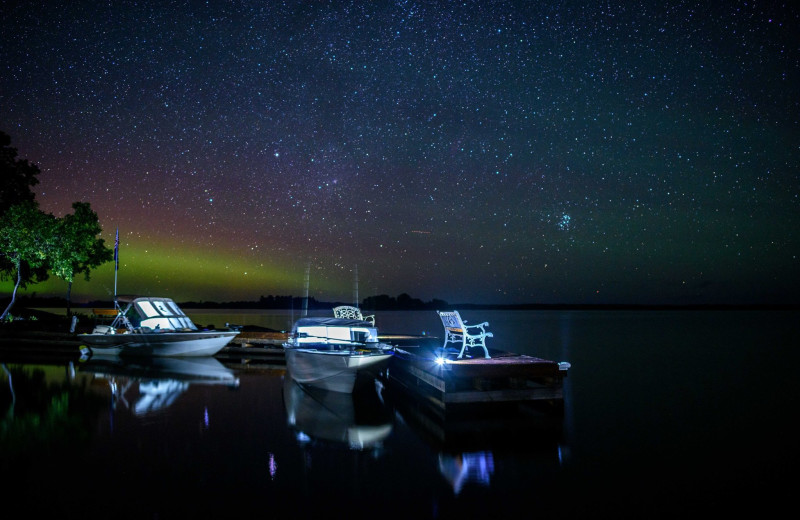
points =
(499, 152)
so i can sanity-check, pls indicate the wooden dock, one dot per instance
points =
(255, 348)
(259, 339)
(503, 378)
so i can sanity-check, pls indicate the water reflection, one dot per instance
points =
(147, 385)
(468, 439)
(43, 410)
(356, 420)
(466, 468)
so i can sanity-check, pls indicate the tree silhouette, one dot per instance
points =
(17, 176)
(33, 242)
(26, 241)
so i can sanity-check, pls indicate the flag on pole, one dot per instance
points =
(116, 251)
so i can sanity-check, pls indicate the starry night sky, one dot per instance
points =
(496, 151)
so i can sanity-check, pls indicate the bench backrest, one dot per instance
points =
(451, 320)
(346, 311)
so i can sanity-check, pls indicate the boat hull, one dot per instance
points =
(336, 371)
(166, 344)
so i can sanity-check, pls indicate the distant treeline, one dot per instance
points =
(383, 302)
(372, 303)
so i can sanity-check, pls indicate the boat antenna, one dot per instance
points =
(355, 286)
(305, 296)
(116, 265)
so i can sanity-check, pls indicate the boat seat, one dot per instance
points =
(457, 331)
(353, 313)
(104, 329)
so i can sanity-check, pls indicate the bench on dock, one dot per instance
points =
(457, 331)
(352, 313)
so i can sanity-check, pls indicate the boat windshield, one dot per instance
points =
(162, 314)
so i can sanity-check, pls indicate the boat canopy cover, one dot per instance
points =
(334, 330)
(331, 322)
(161, 314)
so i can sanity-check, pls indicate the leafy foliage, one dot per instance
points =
(17, 177)
(26, 235)
(76, 250)
(32, 241)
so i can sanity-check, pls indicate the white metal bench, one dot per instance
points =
(353, 313)
(457, 331)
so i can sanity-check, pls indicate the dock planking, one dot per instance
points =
(248, 338)
(505, 377)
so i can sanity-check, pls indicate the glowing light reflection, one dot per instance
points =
(273, 466)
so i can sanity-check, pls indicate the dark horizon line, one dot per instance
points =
(390, 303)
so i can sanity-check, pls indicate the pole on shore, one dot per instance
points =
(116, 265)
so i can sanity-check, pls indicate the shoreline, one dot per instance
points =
(86, 307)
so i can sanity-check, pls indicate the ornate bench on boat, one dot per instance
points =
(457, 331)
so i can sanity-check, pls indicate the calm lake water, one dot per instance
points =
(667, 413)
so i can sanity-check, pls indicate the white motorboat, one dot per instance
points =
(154, 327)
(334, 353)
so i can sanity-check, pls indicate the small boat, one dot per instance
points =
(153, 327)
(334, 353)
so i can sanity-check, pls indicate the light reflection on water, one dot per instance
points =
(668, 410)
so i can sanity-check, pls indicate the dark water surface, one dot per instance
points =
(667, 413)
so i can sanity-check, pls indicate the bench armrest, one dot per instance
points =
(479, 325)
